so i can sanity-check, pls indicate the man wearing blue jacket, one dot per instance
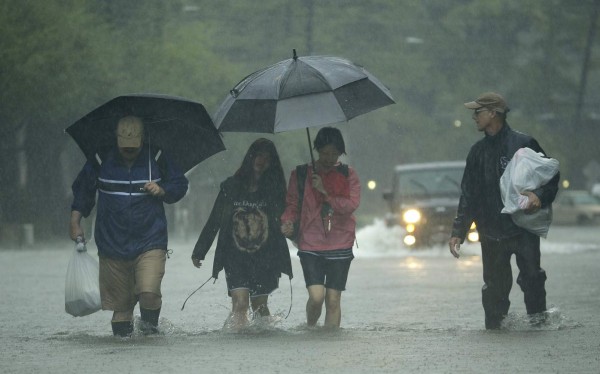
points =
(131, 227)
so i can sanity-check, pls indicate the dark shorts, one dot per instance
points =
(257, 280)
(319, 270)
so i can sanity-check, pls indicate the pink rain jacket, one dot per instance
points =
(343, 196)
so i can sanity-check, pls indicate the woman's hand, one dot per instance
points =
(287, 229)
(317, 184)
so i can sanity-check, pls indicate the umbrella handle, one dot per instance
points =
(142, 189)
(312, 157)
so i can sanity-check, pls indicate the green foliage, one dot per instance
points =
(60, 59)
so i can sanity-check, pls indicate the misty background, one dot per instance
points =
(61, 59)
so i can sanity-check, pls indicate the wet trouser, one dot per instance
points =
(497, 275)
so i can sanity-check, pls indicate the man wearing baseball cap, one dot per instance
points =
(132, 181)
(481, 202)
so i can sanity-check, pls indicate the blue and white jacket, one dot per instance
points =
(129, 221)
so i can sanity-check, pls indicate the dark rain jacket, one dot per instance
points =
(129, 221)
(276, 256)
(480, 201)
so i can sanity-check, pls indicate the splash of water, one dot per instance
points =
(551, 320)
(253, 323)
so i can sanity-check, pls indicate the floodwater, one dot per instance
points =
(403, 311)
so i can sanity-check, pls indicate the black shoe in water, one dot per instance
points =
(493, 323)
(538, 319)
(149, 321)
(123, 329)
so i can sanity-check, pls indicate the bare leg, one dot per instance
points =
(333, 310)
(259, 305)
(239, 309)
(316, 297)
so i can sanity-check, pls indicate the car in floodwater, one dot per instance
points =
(576, 207)
(423, 200)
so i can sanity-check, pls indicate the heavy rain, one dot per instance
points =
(409, 306)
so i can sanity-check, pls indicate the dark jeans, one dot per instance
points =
(497, 275)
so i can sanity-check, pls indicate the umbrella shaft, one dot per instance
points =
(312, 157)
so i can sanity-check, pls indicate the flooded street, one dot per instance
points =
(404, 311)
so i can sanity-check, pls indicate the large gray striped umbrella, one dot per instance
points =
(301, 92)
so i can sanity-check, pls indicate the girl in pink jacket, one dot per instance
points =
(322, 224)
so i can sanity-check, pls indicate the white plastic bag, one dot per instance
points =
(82, 289)
(527, 171)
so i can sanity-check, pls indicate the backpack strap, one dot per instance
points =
(160, 161)
(156, 154)
(99, 158)
(343, 169)
(301, 172)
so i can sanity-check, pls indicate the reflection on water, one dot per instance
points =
(412, 263)
(424, 296)
(470, 261)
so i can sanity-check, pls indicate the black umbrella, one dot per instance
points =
(179, 126)
(301, 92)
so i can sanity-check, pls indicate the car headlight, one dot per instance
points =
(473, 236)
(409, 240)
(411, 216)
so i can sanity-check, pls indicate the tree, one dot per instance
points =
(61, 59)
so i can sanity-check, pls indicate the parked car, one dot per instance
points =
(423, 200)
(576, 207)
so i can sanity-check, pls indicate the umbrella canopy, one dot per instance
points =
(301, 92)
(179, 126)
